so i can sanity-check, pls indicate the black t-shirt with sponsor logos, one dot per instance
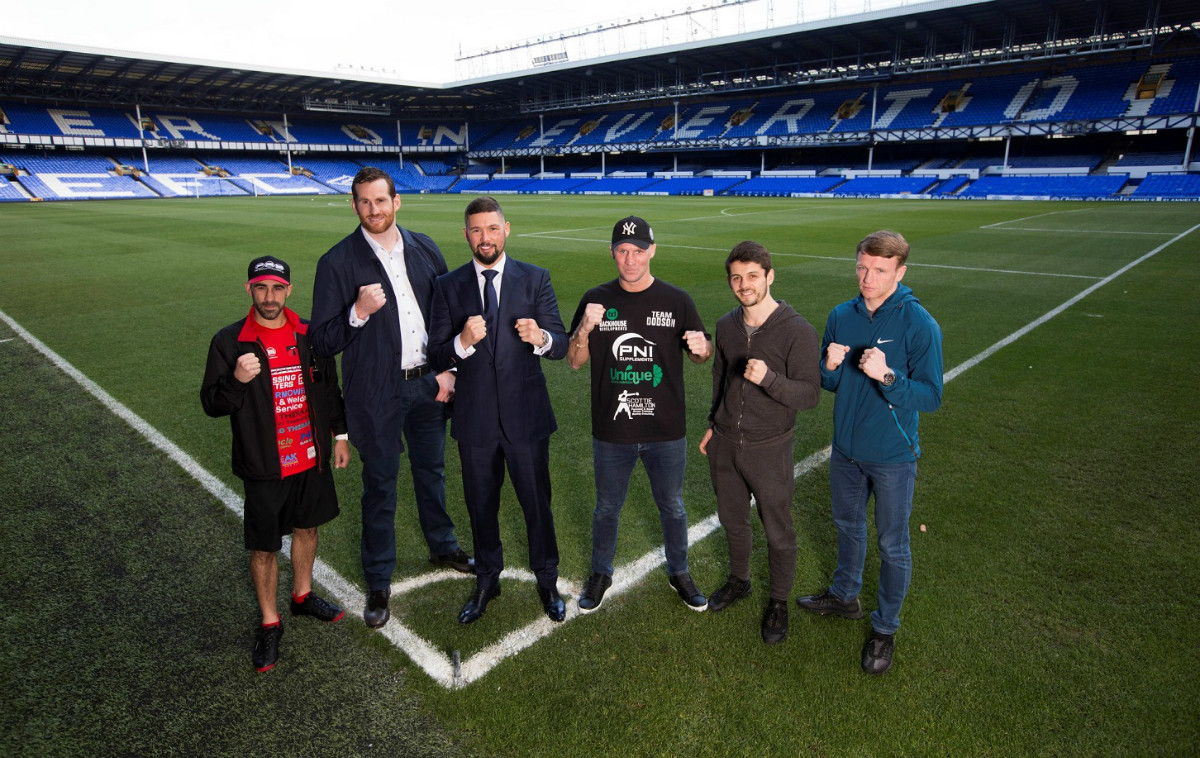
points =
(637, 357)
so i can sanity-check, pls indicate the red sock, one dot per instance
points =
(301, 598)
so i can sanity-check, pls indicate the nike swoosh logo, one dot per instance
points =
(883, 342)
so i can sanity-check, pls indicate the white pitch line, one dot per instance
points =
(1005, 226)
(1052, 313)
(997, 228)
(847, 260)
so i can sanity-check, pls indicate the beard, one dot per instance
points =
(268, 311)
(751, 298)
(486, 259)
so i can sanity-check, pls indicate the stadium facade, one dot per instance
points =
(947, 99)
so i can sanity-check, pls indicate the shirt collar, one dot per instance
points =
(498, 268)
(377, 248)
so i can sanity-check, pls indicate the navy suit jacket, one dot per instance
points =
(371, 354)
(501, 386)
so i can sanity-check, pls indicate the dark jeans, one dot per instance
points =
(851, 483)
(664, 463)
(424, 430)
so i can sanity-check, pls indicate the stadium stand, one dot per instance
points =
(1176, 186)
(9, 193)
(884, 185)
(1069, 187)
(785, 186)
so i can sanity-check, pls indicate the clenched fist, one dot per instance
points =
(370, 299)
(755, 371)
(473, 331)
(247, 367)
(697, 343)
(834, 355)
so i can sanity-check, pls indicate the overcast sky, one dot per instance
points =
(401, 39)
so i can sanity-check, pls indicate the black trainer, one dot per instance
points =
(266, 646)
(827, 603)
(775, 622)
(877, 653)
(692, 597)
(458, 560)
(732, 591)
(317, 607)
(593, 592)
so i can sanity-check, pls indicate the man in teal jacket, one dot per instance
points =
(883, 358)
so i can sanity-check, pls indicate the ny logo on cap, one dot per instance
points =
(629, 228)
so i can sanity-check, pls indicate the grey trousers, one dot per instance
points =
(767, 472)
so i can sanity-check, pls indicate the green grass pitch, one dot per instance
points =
(1053, 603)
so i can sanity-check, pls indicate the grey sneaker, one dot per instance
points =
(877, 653)
(827, 603)
(732, 591)
(692, 597)
(593, 592)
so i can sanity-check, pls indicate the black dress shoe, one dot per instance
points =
(376, 614)
(477, 603)
(556, 609)
(458, 560)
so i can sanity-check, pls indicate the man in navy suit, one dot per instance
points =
(372, 303)
(494, 318)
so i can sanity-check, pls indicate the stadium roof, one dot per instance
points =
(940, 34)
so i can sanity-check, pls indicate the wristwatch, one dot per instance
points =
(889, 378)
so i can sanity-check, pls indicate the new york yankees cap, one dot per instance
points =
(633, 230)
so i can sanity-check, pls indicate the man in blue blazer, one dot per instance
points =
(372, 303)
(494, 319)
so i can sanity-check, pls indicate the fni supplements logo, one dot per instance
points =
(633, 347)
(630, 375)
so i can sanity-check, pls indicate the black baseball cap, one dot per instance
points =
(268, 267)
(633, 230)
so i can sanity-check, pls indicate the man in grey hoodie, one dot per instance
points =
(764, 371)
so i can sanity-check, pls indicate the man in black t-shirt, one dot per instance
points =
(636, 329)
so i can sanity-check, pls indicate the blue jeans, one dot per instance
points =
(665, 463)
(851, 483)
(424, 430)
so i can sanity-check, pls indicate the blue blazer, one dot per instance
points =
(371, 354)
(500, 387)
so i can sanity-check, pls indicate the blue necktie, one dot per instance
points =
(491, 305)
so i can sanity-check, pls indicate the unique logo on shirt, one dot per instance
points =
(661, 318)
(270, 352)
(633, 404)
(883, 341)
(288, 460)
(633, 347)
(629, 375)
